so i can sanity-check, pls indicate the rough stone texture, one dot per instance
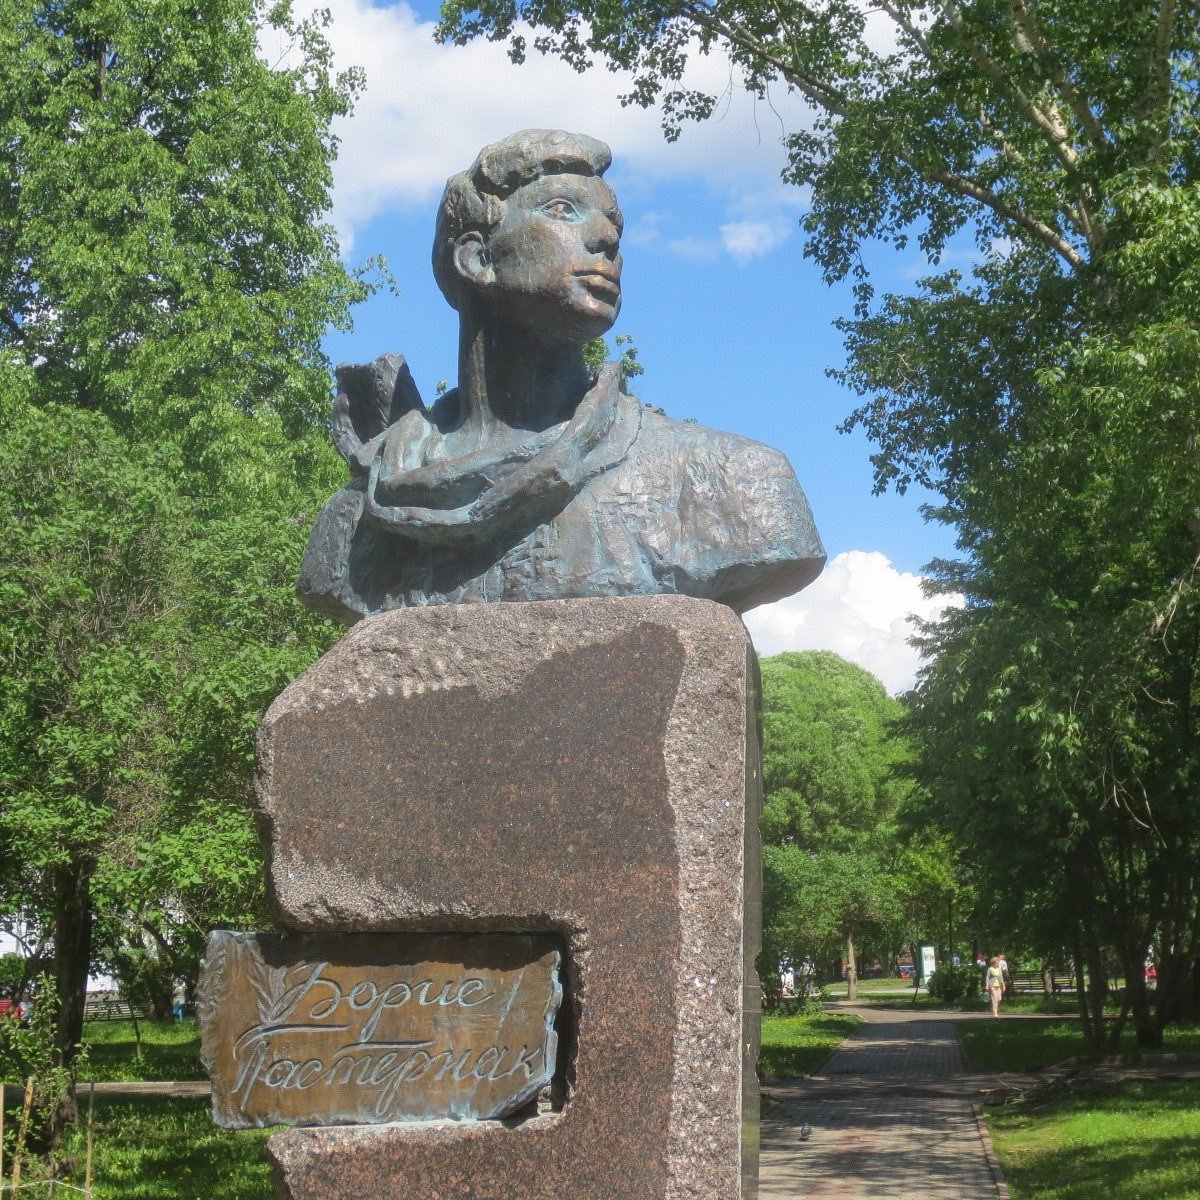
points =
(369, 1028)
(577, 767)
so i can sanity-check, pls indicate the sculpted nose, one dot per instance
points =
(603, 236)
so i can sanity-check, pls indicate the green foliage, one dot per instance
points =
(12, 974)
(597, 352)
(1052, 402)
(30, 1055)
(952, 984)
(829, 757)
(166, 275)
(166, 261)
(831, 789)
(809, 1002)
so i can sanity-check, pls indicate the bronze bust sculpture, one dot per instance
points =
(533, 479)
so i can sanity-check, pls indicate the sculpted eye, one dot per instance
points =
(562, 210)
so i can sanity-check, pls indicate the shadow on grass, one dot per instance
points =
(170, 1051)
(1127, 1142)
(1032, 1045)
(1022, 1004)
(157, 1062)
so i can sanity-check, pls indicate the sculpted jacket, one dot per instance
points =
(619, 501)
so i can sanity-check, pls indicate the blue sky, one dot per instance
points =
(732, 322)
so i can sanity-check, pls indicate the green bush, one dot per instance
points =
(809, 1004)
(12, 974)
(952, 984)
(29, 1053)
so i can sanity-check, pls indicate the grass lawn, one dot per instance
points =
(1133, 1142)
(837, 991)
(170, 1050)
(159, 1148)
(794, 1046)
(1029, 1045)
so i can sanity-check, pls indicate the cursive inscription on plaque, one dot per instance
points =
(369, 1028)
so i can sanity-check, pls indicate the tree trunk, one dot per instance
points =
(1090, 995)
(851, 970)
(1147, 1028)
(72, 961)
(72, 952)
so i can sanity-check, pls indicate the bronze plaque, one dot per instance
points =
(368, 1028)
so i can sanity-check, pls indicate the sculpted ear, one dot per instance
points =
(471, 259)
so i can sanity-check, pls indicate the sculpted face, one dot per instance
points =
(553, 264)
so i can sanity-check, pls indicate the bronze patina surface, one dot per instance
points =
(536, 478)
(373, 1028)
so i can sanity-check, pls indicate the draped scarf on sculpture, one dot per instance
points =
(496, 493)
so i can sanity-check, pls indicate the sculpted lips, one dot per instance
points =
(604, 282)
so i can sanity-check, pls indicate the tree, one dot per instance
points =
(1049, 399)
(165, 279)
(831, 788)
(1014, 115)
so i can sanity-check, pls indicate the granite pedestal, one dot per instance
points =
(586, 769)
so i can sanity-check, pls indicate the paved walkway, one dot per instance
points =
(892, 1118)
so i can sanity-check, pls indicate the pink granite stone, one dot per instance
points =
(586, 768)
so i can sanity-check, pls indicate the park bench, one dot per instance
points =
(103, 1006)
(1031, 981)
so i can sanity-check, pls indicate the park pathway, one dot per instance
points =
(892, 1115)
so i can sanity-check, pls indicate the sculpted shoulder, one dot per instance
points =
(745, 532)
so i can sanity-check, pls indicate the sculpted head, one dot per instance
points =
(529, 236)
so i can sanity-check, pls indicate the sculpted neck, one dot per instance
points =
(511, 381)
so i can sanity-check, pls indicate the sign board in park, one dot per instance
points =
(377, 1027)
(928, 962)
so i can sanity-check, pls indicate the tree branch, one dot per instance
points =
(1023, 19)
(965, 186)
(916, 36)
(786, 31)
(835, 101)
(1161, 92)
(14, 326)
(821, 93)
(1049, 123)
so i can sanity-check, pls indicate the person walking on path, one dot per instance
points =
(994, 985)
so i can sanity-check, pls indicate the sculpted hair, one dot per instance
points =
(474, 200)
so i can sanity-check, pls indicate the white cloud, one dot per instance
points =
(428, 109)
(647, 229)
(752, 239)
(861, 607)
(697, 248)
